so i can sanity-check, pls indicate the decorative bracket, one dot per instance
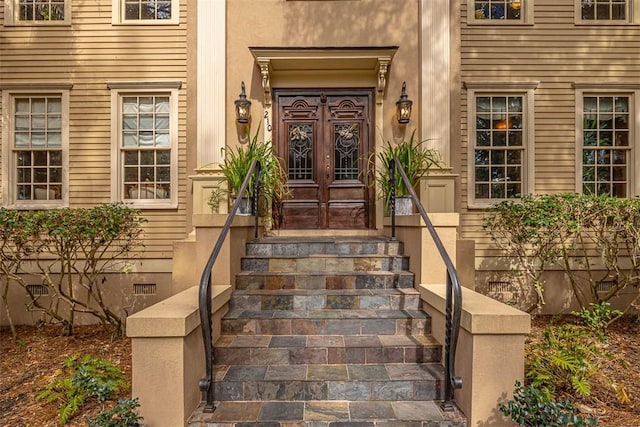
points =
(266, 80)
(383, 68)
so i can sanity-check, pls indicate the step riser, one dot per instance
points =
(311, 302)
(381, 423)
(327, 390)
(324, 248)
(326, 356)
(302, 326)
(400, 280)
(331, 264)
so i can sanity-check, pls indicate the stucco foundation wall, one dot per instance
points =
(558, 294)
(117, 291)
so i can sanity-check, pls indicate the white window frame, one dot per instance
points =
(9, 93)
(524, 89)
(123, 89)
(12, 11)
(526, 15)
(633, 17)
(611, 89)
(118, 16)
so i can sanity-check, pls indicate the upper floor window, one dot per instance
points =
(500, 143)
(145, 147)
(38, 12)
(500, 11)
(606, 144)
(35, 159)
(152, 12)
(607, 11)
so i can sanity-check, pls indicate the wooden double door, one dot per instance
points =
(325, 139)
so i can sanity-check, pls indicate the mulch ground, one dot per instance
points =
(28, 364)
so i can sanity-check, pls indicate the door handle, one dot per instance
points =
(328, 166)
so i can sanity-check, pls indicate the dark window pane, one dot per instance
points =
(499, 139)
(482, 174)
(482, 191)
(515, 139)
(483, 138)
(497, 157)
(588, 157)
(620, 173)
(588, 173)
(498, 191)
(590, 138)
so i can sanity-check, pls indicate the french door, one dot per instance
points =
(325, 137)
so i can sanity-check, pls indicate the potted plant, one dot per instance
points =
(415, 158)
(273, 178)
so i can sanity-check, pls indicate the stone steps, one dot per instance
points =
(326, 332)
(277, 350)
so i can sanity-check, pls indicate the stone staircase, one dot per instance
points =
(326, 331)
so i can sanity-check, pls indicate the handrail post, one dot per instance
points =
(256, 199)
(392, 196)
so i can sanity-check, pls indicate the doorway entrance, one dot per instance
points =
(325, 137)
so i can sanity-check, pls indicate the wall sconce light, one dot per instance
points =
(243, 107)
(403, 106)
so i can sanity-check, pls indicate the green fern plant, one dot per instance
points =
(564, 359)
(82, 378)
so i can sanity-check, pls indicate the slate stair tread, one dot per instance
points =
(240, 313)
(322, 341)
(323, 413)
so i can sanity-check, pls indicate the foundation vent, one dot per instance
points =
(144, 288)
(499, 287)
(606, 285)
(38, 290)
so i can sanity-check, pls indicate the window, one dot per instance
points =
(35, 158)
(494, 12)
(152, 12)
(606, 141)
(607, 11)
(38, 12)
(500, 142)
(145, 141)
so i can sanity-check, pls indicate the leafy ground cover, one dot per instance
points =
(28, 364)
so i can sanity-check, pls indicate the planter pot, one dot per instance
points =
(245, 206)
(404, 206)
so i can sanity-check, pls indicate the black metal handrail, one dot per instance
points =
(204, 295)
(453, 309)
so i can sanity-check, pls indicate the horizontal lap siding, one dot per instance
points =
(557, 53)
(87, 54)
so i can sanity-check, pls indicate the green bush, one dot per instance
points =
(589, 238)
(533, 408)
(81, 379)
(123, 414)
(597, 318)
(70, 251)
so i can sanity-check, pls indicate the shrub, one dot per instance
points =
(69, 250)
(590, 238)
(533, 408)
(82, 378)
(597, 318)
(123, 414)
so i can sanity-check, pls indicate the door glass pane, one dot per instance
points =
(346, 145)
(300, 151)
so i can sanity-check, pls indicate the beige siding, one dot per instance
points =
(557, 53)
(87, 54)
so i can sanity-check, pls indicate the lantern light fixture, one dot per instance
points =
(403, 106)
(243, 107)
